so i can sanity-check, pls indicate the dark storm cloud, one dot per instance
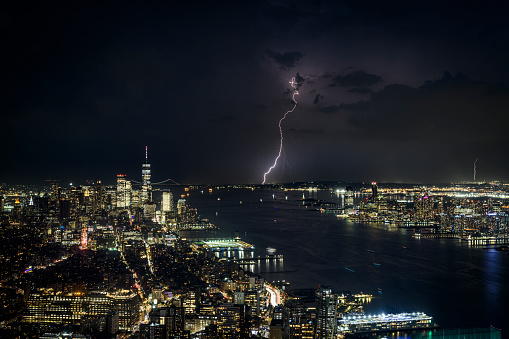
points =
(318, 99)
(161, 73)
(307, 131)
(360, 90)
(286, 17)
(259, 106)
(356, 79)
(285, 61)
(224, 118)
(453, 108)
(328, 109)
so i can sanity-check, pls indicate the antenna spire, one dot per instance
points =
(146, 154)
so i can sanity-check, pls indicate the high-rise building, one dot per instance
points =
(124, 190)
(152, 331)
(146, 188)
(172, 317)
(44, 307)
(135, 199)
(167, 205)
(327, 313)
(149, 211)
(181, 206)
(374, 191)
(64, 210)
(98, 198)
(349, 199)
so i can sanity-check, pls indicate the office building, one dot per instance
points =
(124, 189)
(146, 188)
(167, 204)
(327, 313)
(71, 308)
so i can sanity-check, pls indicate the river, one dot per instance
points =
(460, 286)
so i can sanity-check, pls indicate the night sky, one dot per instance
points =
(400, 91)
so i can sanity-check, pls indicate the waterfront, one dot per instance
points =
(459, 286)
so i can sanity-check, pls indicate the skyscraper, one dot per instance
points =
(167, 205)
(327, 313)
(374, 191)
(124, 189)
(146, 189)
(349, 200)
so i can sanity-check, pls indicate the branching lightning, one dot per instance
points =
(475, 168)
(294, 85)
(296, 82)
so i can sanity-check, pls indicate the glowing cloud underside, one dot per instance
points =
(294, 85)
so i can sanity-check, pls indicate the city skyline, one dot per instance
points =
(401, 92)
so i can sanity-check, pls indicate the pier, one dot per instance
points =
(220, 245)
(252, 260)
(480, 241)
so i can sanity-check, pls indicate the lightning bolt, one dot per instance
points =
(294, 85)
(475, 168)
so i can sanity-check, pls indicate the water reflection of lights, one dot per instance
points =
(492, 273)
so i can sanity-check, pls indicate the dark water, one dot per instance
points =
(458, 285)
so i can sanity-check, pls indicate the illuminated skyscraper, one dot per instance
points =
(327, 313)
(374, 191)
(349, 200)
(98, 198)
(167, 205)
(181, 206)
(146, 189)
(124, 189)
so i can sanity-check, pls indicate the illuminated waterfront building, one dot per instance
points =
(424, 207)
(349, 200)
(327, 313)
(374, 191)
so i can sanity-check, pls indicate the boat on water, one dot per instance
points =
(218, 199)
(379, 290)
(376, 264)
(270, 251)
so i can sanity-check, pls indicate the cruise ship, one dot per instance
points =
(385, 322)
